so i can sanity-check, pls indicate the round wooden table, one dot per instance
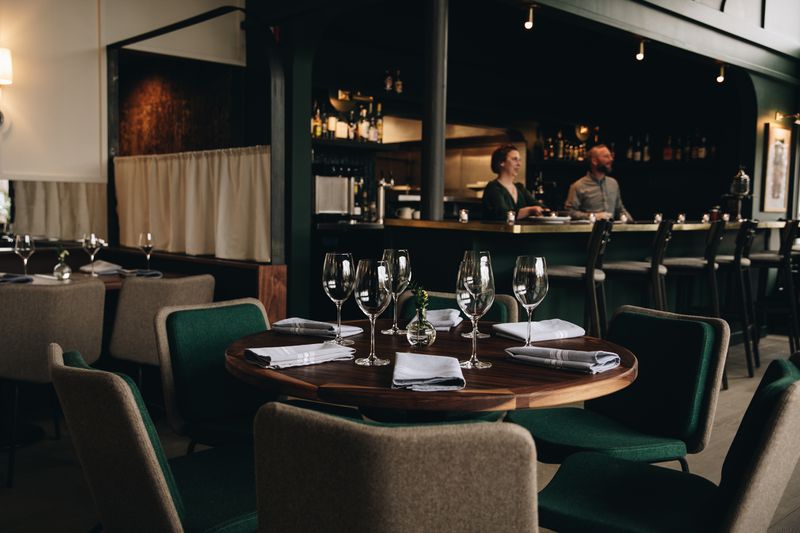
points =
(505, 386)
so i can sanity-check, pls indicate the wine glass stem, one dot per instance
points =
(394, 326)
(338, 338)
(25, 265)
(528, 338)
(474, 340)
(92, 262)
(372, 337)
(148, 261)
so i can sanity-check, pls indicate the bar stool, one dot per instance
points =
(592, 276)
(738, 265)
(782, 260)
(653, 269)
(702, 266)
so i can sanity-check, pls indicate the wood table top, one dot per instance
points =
(507, 385)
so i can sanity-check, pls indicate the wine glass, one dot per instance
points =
(475, 275)
(373, 294)
(399, 265)
(24, 248)
(338, 277)
(92, 244)
(530, 285)
(146, 245)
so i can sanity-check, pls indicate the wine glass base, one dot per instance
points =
(468, 335)
(343, 342)
(366, 361)
(393, 331)
(95, 275)
(475, 364)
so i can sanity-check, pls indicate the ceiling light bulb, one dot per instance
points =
(779, 115)
(640, 55)
(529, 23)
(721, 76)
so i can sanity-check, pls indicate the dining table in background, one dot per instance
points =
(507, 385)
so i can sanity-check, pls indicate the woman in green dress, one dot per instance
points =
(505, 194)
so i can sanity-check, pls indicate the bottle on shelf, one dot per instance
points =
(316, 124)
(677, 153)
(331, 124)
(611, 148)
(560, 145)
(388, 83)
(667, 153)
(646, 148)
(629, 152)
(398, 83)
(637, 151)
(549, 149)
(363, 125)
(351, 126)
(701, 148)
(693, 148)
(379, 123)
(372, 136)
(596, 137)
(324, 120)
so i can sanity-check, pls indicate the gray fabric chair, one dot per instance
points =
(342, 475)
(595, 492)
(31, 317)
(133, 485)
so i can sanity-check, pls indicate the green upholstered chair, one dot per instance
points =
(203, 401)
(504, 308)
(342, 475)
(598, 493)
(663, 415)
(134, 486)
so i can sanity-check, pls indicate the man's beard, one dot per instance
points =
(604, 169)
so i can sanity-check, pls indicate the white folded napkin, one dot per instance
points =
(542, 330)
(102, 267)
(301, 355)
(588, 362)
(302, 326)
(442, 319)
(427, 373)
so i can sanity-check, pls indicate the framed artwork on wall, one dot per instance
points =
(777, 158)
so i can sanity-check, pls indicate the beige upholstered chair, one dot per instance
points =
(31, 317)
(133, 485)
(133, 337)
(338, 474)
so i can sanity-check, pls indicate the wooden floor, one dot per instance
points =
(51, 494)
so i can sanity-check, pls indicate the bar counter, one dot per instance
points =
(522, 227)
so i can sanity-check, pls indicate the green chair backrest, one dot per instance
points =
(756, 424)
(673, 383)
(197, 341)
(74, 359)
(497, 313)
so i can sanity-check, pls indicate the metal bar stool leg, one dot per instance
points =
(601, 307)
(746, 324)
(786, 269)
(748, 285)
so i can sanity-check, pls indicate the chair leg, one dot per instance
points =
(662, 287)
(594, 319)
(684, 464)
(746, 323)
(601, 307)
(56, 409)
(755, 334)
(713, 290)
(12, 433)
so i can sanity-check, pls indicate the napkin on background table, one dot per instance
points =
(542, 330)
(140, 273)
(301, 355)
(302, 326)
(427, 373)
(15, 278)
(102, 268)
(442, 319)
(588, 362)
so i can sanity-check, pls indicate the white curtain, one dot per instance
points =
(214, 202)
(59, 209)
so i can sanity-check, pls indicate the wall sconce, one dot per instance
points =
(721, 76)
(780, 116)
(6, 73)
(529, 22)
(640, 53)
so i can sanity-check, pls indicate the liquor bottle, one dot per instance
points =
(363, 125)
(398, 83)
(646, 148)
(677, 154)
(316, 125)
(549, 149)
(637, 151)
(629, 152)
(388, 83)
(357, 184)
(667, 153)
(324, 120)
(331, 123)
(701, 149)
(373, 130)
(560, 145)
(687, 148)
(695, 147)
(379, 123)
(611, 149)
(351, 126)
(596, 138)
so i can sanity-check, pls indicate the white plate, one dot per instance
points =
(550, 220)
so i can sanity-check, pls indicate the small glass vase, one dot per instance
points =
(420, 333)
(62, 272)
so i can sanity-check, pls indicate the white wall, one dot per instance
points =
(56, 108)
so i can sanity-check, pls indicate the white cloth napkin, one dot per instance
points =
(301, 355)
(442, 319)
(302, 326)
(427, 373)
(102, 267)
(542, 330)
(588, 362)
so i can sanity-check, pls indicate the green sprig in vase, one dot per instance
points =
(420, 333)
